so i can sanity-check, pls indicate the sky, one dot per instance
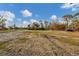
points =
(24, 13)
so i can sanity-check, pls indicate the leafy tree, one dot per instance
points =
(35, 26)
(2, 23)
(67, 18)
(75, 25)
(41, 25)
(46, 24)
(29, 26)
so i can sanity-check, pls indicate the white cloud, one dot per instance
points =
(26, 13)
(33, 20)
(70, 5)
(9, 16)
(7, 24)
(73, 6)
(54, 18)
(25, 24)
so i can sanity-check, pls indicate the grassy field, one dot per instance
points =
(39, 43)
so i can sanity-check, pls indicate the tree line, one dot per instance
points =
(71, 23)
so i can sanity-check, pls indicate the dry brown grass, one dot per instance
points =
(41, 43)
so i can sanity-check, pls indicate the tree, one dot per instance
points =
(6, 16)
(29, 26)
(15, 27)
(35, 26)
(46, 24)
(75, 22)
(41, 25)
(2, 23)
(68, 19)
(75, 25)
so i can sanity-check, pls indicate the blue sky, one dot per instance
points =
(41, 11)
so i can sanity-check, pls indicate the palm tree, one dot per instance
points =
(67, 18)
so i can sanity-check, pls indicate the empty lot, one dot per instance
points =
(39, 43)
